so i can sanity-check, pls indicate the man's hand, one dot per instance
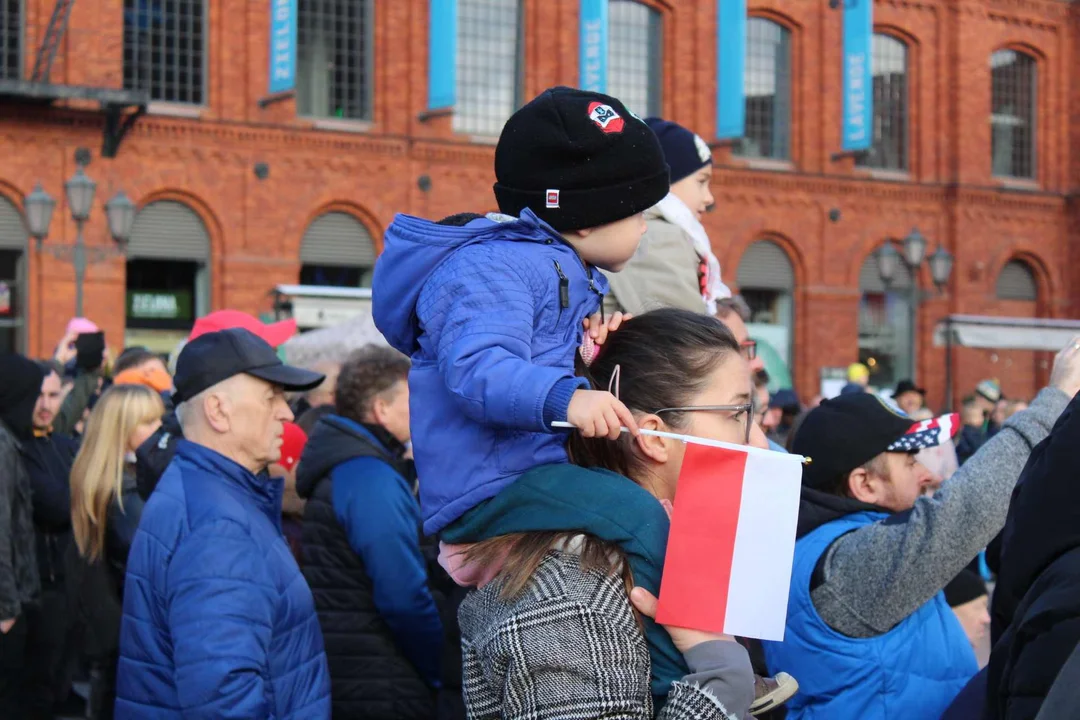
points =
(6, 625)
(598, 413)
(1066, 373)
(65, 351)
(598, 331)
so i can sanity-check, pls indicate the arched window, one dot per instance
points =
(334, 59)
(890, 67)
(1012, 114)
(885, 340)
(490, 64)
(1017, 282)
(767, 86)
(766, 280)
(168, 274)
(11, 49)
(337, 250)
(165, 49)
(13, 239)
(635, 56)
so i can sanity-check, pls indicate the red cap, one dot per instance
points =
(293, 440)
(273, 333)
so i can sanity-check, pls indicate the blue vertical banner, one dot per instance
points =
(858, 78)
(593, 46)
(282, 45)
(442, 54)
(730, 69)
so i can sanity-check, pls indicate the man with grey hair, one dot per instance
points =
(218, 621)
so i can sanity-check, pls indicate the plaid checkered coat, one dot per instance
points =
(567, 647)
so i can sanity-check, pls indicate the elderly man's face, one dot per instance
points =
(253, 412)
(738, 328)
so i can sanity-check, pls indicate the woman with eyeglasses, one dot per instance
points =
(567, 560)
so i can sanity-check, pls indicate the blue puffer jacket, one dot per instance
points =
(218, 621)
(491, 315)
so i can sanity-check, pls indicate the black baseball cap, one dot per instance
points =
(908, 386)
(848, 431)
(217, 356)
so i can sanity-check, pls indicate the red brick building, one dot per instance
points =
(974, 146)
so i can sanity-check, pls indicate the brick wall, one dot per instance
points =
(372, 169)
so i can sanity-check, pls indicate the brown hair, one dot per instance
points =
(366, 374)
(664, 358)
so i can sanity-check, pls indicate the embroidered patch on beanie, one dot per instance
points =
(606, 118)
(553, 198)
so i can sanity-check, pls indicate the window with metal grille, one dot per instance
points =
(490, 47)
(11, 33)
(1012, 114)
(1017, 282)
(334, 59)
(767, 85)
(635, 56)
(890, 67)
(165, 49)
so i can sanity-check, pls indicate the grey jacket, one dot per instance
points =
(19, 579)
(570, 646)
(664, 273)
(879, 574)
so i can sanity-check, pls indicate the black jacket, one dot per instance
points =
(48, 460)
(1036, 609)
(155, 454)
(370, 676)
(96, 590)
(19, 390)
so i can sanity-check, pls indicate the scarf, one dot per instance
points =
(600, 503)
(677, 213)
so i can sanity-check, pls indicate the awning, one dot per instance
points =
(1006, 333)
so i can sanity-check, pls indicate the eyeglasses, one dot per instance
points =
(748, 349)
(746, 409)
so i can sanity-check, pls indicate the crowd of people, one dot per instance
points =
(472, 521)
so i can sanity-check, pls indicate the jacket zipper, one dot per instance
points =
(564, 286)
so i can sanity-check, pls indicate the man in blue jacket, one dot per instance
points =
(361, 546)
(218, 621)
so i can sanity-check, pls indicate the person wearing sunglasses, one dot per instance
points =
(556, 556)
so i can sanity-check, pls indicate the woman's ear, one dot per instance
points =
(652, 447)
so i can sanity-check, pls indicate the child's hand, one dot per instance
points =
(684, 639)
(597, 413)
(598, 331)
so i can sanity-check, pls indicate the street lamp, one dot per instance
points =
(914, 246)
(39, 210)
(79, 190)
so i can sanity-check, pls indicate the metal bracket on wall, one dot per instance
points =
(54, 34)
(117, 126)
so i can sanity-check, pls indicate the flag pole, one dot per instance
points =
(699, 441)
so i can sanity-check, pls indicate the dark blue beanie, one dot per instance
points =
(685, 152)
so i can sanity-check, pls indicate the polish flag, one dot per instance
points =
(732, 542)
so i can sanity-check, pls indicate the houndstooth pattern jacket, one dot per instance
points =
(567, 647)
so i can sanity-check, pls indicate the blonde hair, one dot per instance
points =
(98, 473)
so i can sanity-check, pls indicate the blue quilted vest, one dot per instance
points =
(913, 671)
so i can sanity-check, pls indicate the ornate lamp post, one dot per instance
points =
(913, 256)
(79, 190)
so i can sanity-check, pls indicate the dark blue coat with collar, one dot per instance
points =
(218, 621)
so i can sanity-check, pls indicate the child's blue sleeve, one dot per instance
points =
(485, 311)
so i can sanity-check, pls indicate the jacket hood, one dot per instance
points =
(413, 247)
(19, 392)
(817, 508)
(333, 440)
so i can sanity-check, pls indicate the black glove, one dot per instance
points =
(90, 351)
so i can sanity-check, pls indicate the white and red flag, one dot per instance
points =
(732, 541)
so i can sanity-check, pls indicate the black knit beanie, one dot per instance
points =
(964, 588)
(685, 152)
(578, 160)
